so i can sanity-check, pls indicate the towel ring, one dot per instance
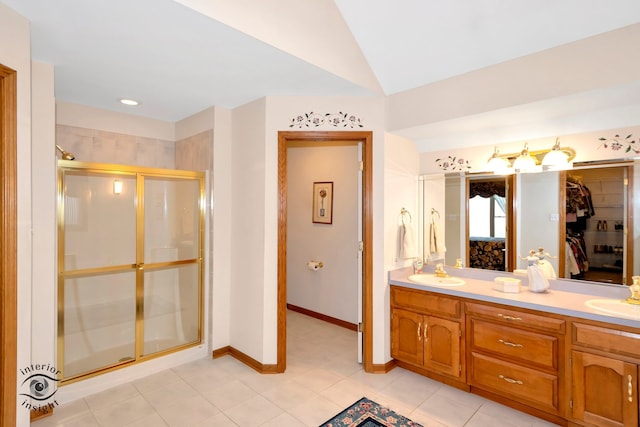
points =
(435, 213)
(403, 213)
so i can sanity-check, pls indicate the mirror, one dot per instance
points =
(583, 217)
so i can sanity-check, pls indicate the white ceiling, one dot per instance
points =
(180, 57)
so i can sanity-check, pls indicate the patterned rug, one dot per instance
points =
(367, 413)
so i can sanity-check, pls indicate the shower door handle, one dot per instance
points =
(140, 266)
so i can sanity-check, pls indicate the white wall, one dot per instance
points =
(332, 290)
(538, 206)
(43, 199)
(15, 54)
(252, 246)
(221, 206)
(401, 166)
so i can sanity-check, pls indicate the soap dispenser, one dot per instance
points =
(538, 281)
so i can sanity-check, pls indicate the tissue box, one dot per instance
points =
(507, 284)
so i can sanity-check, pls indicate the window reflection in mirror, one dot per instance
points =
(488, 216)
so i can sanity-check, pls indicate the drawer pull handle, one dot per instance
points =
(510, 344)
(510, 380)
(507, 317)
(426, 336)
(419, 333)
(630, 387)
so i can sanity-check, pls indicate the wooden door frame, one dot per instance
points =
(8, 246)
(284, 137)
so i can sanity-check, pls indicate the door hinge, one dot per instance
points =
(360, 246)
(359, 326)
(360, 165)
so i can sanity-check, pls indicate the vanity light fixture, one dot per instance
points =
(129, 102)
(499, 165)
(117, 187)
(524, 163)
(556, 159)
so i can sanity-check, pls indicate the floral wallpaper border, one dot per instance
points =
(453, 163)
(617, 143)
(338, 119)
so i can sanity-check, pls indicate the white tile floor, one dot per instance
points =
(322, 378)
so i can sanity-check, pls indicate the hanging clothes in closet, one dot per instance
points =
(579, 204)
(576, 253)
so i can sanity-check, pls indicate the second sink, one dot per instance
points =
(433, 280)
(615, 307)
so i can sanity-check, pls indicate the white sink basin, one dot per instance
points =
(433, 280)
(615, 307)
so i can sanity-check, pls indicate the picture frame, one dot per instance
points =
(322, 203)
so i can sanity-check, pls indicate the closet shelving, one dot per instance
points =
(604, 236)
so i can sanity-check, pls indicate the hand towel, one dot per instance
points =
(436, 238)
(407, 242)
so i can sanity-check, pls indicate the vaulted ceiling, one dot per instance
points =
(180, 57)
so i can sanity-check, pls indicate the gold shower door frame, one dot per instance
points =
(141, 175)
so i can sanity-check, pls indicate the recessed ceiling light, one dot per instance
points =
(130, 102)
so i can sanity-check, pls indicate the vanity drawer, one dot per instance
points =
(422, 301)
(516, 344)
(516, 318)
(537, 388)
(605, 339)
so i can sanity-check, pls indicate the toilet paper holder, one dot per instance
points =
(315, 265)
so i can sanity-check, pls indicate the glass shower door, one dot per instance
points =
(172, 263)
(97, 283)
(130, 266)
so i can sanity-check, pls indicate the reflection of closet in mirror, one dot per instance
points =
(489, 218)
(596, 224)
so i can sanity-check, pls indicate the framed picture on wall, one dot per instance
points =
(322, 202)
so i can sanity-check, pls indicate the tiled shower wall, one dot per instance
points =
(196, 153)
(90, 145)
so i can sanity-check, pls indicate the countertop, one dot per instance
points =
(561, 299)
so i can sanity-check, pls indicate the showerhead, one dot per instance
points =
(65, 155)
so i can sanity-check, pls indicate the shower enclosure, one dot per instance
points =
(130, 265)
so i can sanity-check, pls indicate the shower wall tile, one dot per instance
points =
(125, 150)
(104, 148)
(91, 145)
(165, 154)
(195, 152)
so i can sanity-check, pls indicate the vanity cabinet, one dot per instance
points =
(515, 354)
(604, 371)
(426, 333)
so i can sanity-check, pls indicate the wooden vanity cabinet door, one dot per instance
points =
(605, 391)
(442, 346)
(406, 336)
